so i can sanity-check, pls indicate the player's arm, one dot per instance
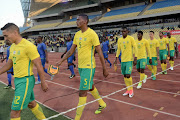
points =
(149, 52)
(117, 52)
(67, 55)
(135, 51)
(99, 51)
(176, 49)
(168, 49)
(6, 67)
(64, 53)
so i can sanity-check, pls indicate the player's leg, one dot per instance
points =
(15, 114)
(164, 61)
(30, 102)
(143, 77)
(171, 61)
(128, 78)
(82, 101)
(149, 65)
(96, 95)
(71, 66)
(36, 110)
(106, 58)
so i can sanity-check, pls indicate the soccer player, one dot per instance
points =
(143, 49)
(71, 58)
(44, 57)
(163, 42)
(23, 54)
(172, 42)
(154, 49)
(125, 46)
(10, 71)
(105, 49)
(86, 40)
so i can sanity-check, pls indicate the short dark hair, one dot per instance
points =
(10, 26)
(84, 16)
(40, 37)
(125, 28)
(141, 32)
(152, 31)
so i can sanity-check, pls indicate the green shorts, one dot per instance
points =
(154, 61)
(141, 63)
(23, 92)
(86, 75)
(167, 52)
(172, 53)
(126, 67)
(162, 54)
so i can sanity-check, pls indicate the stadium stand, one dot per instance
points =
(73, 21)
(50, 25)
(123, 13)
(60, 6)
(163, 6)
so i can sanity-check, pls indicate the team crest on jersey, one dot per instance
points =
(80, 38)
(85, 39)
(127, 42)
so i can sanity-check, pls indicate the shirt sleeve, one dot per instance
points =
(148, 49)
(118, 48)
(74, 40)
(32, 52)
(134, 46)
(95, 39)
(44, 46)
(10, 54)
(175, 40)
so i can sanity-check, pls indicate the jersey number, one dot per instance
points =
(16, 99)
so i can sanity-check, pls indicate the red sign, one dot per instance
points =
(173, 32)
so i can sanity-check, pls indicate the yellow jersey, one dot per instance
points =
(143, 47)
(86, 43)
(153, 46)
(162, 43)
(171, 40)
(125, 46)
(22, 55)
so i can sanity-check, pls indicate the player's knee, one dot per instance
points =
(92, 88)
(32, 104)
(128, 76)
(82, 93)
(15, 114)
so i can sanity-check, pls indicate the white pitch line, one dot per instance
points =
(42, 103)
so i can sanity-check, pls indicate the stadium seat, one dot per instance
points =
(122, 13)
(50, 25)
(163, 6)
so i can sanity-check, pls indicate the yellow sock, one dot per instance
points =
(162, 66)
(82, 101)
(150, 68)
(142, 75)
(129, 83)
(172, 64)
(96, 95)
(154, 69)
(16, 118)
(37, 111)
(165, 66)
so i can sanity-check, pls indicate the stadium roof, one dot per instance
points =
(38, 6)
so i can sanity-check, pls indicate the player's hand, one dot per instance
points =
(115, 61)
(47, 61)
(150, 61)
(58, 63)
(135, 61)
(157, 57)
(2, 60)
(105, 72)
(62, 55)
(44, 86)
